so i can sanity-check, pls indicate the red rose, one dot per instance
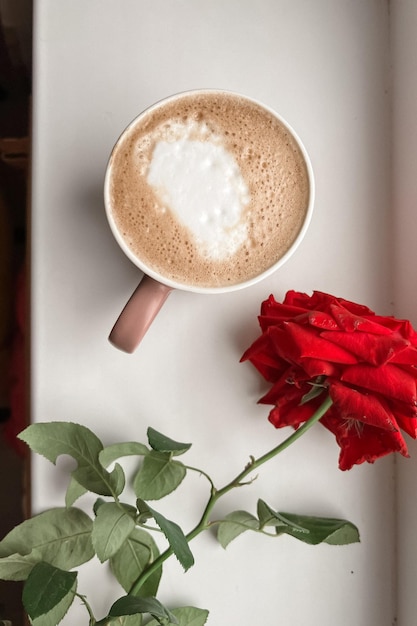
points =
(315, 344)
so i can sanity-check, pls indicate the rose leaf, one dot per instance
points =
(137, 552)
(173, 533)
(132, 605)
(60, 536)
(158, 476)
(234, 525)
(162, 443)
(45, 587)
(111, 528)
(187, 616)
(52, 439)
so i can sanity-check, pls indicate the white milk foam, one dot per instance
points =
(208, 189)
(201, 183)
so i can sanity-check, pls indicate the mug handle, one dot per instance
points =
(138, 314)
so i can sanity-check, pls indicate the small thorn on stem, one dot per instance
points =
(251, 462)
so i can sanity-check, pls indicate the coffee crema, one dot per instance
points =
(208, 189)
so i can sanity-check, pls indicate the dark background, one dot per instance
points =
(15, 92)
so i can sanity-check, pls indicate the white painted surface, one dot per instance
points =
(404, 203)
(324, 66)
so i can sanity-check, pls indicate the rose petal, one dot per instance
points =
(266, 321)
(356, 450)
(323, 320)
(265, 358)
(374, 349)
(318, 319)
(318, 367)
(367, 443)
(402, 408)
(405, 415)
(403, 327)
(296, 298)
(272, 308)
(289, 411)
(292, 377)
(276, 392)
(261, 347)
(407, 424)
(408, 331)
(388, 380)
(296, 342)
(352, 404)
(318, 301)
(408, 356)
(350, 322)
(321, 301)
(353, 307)
(273, 311)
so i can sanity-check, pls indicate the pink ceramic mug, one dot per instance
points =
(204, 156)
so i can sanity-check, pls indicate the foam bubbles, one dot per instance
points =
(211, 142)
(200, 181)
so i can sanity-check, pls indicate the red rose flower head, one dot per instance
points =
(366, 363)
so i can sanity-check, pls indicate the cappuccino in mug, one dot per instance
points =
(208, 189)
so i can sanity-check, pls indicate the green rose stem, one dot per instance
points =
(83, 599)
(216, 494)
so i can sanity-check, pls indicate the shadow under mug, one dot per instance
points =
(154, 288)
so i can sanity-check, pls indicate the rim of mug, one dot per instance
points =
(149, 271)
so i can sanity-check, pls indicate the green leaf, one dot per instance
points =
(321, 529)
(111, 528)
(97, 504)
(74, 491)
(162, 443)
(343, 534)
(265, 514)
(174, 535)
(317, 388)
(57, 614)
(108, 455)
(118, 450)
(234, 525)
(137, 552)
(45, 587)
(122, 620)
(131, 605)
(314, 530)
(158, 476)
(61, 537)
(187, 616)
(18, 566)
(100, 481)
(51, 439)
(269, 517)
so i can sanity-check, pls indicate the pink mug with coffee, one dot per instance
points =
(208, 191)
